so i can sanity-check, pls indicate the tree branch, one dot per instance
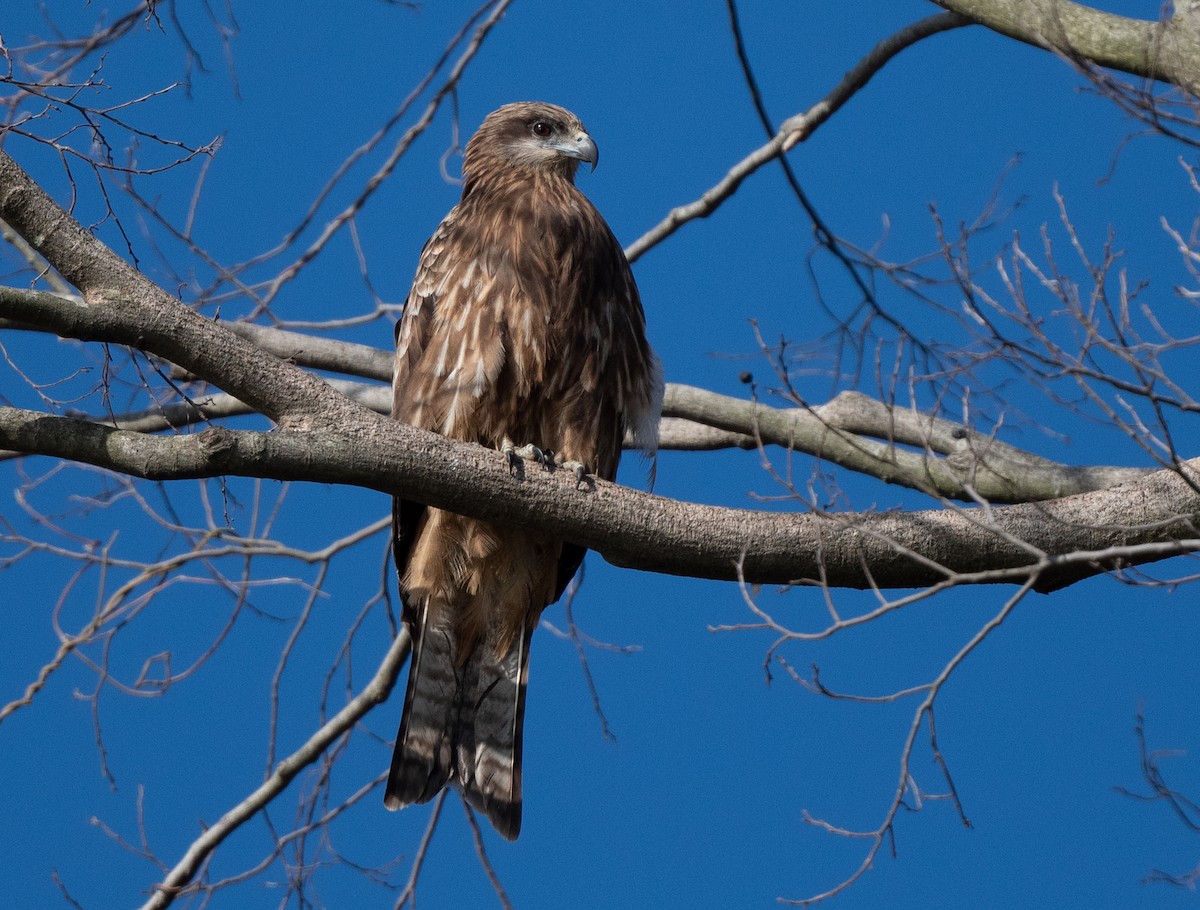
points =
(638, 530)
(120, 304)
(326, 437)
(794, 130)
(1166, 50)
(975, 467)
(843, 431)
(375, 692)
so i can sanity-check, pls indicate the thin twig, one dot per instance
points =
(375, 692)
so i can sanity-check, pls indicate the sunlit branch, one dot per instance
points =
(897, 445)
(374, 693)
(1167, 50)
(793, 130)
(639, 530)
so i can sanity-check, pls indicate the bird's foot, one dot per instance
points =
(580, 472)
(517, 456)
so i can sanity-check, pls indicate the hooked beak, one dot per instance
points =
(581, 147)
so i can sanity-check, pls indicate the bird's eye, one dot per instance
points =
(541, 129)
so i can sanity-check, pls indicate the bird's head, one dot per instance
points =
(531, 135)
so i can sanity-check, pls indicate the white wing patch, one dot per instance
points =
(643, 424)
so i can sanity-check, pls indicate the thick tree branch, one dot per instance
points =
(326, 437)
(974, 467)
(854, 431)
(638, 530)
(1167, 50)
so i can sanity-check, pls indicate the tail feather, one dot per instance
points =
(463, 728)
(423, 759)
(488, 744)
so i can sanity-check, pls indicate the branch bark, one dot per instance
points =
(857, 432)
(1167, 50)
(943, 458)
(1060, 541)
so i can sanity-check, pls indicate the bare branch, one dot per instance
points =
(409, 895)
(843, 431)
(921, 716)
(374, 693)
(642, 531)
(498, 9)
(794, 130)
(376, 453)
(975, 466)
(123, 305)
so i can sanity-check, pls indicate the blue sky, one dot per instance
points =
(700, 800)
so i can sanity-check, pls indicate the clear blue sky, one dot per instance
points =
(700, 801)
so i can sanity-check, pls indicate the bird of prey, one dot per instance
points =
(523, 332)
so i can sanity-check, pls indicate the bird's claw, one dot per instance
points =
(576, 468)
(509, 451)
(516, 457)
(531, 452)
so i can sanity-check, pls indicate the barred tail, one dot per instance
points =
(463, 728)
(423, 759)
(488, 742)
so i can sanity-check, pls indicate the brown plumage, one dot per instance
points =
(523, 325)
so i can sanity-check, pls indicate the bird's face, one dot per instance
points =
(537, 136)
(549, 136)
